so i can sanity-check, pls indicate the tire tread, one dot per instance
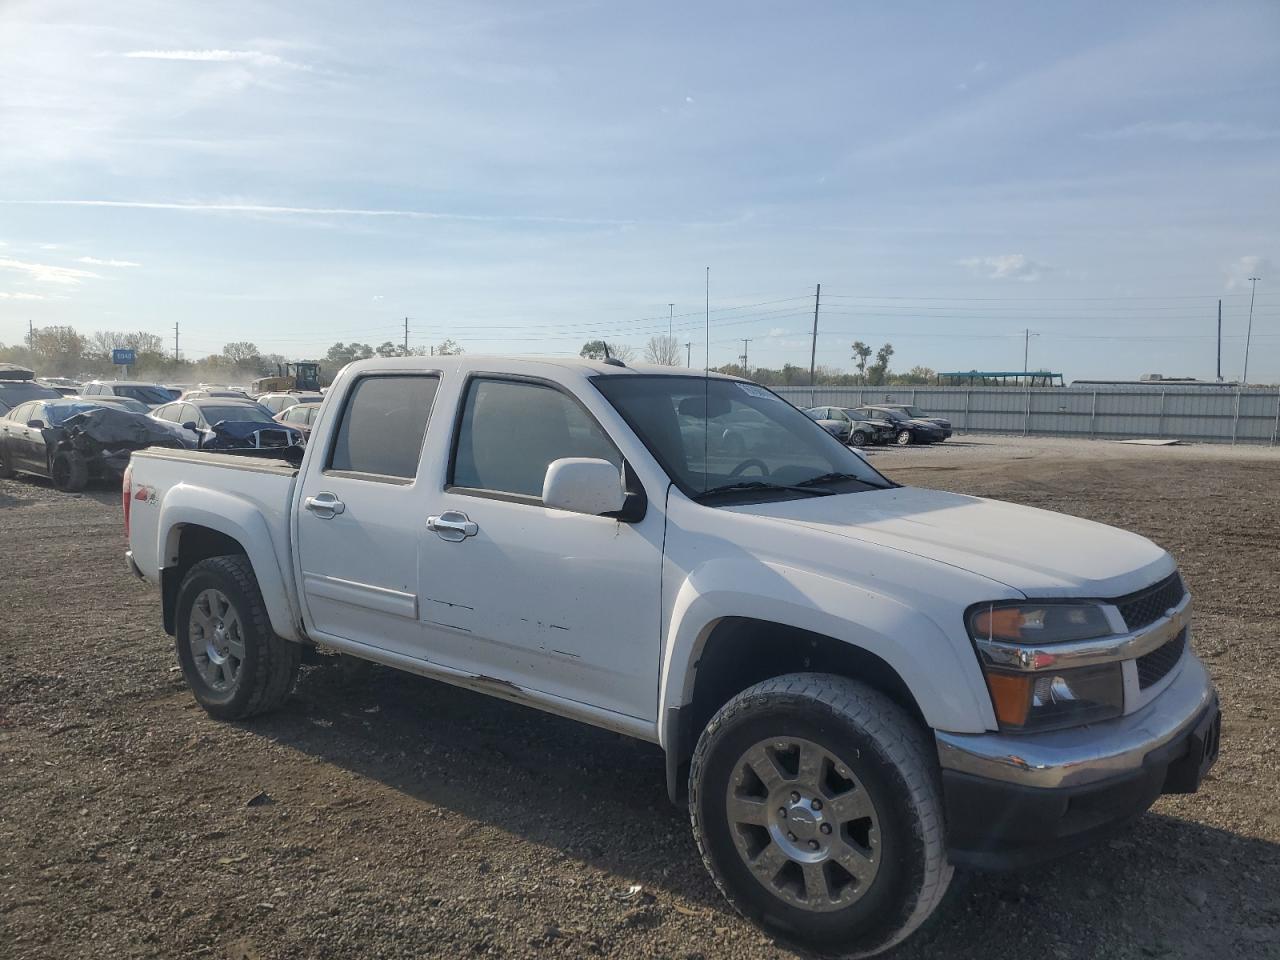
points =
(902, 742)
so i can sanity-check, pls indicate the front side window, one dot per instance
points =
(382, 426)
(716, 435)
(512, 430)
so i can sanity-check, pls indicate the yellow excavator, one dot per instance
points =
(303, 376)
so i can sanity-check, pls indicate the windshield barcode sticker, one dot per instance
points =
(760, 393)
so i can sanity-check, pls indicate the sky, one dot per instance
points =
(524, 177)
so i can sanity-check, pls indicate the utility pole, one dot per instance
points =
(31, 333)
(1026, 349)
(1219, 339)
(671, 308)
(1244, 378)
(813, 347)
(707, 368)
(176, 354)
(745, 369)
(688, 354)
(406, 336)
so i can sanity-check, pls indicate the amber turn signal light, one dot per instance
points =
(1011, 697)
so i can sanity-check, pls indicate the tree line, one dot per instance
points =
(61, 351)
(667, 351)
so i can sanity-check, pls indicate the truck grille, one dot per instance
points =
(1147, 606)
(1154, 666)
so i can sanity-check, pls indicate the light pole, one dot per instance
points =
(1244, 378)
(688, 350)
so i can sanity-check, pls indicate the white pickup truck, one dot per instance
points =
(857, 684)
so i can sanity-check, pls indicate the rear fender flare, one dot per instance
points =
(244, 523)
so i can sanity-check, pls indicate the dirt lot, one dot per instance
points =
(396, 817)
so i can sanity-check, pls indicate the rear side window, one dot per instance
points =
(382, 426)
(511, 431)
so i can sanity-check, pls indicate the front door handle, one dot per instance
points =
(325, 505)
(452, 526)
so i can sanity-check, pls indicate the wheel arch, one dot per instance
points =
(739, 652)
(191, 533)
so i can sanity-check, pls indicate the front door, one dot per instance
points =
(548, 600)
(359, 521)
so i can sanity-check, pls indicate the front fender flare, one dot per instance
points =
(929, 662)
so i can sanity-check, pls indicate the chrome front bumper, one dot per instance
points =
(1083, 755)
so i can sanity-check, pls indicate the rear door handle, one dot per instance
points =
(325, 505)
(453, 526)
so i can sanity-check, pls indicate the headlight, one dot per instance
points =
(1062, 698)
(1044, 698)
(1037, 623)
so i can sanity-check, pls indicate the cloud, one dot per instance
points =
(46, 273)
(255, 57)
(1007, 266)
(22, 296)
(107, 263)
(1189, 131)
(234, 207)
(777, 332)
(1238, 273)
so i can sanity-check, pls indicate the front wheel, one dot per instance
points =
(904, 438)
(858, 439)
(817, 808)
(233, 662)
(69, 471)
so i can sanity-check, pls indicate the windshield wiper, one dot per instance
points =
(835, 478)
(745, 485)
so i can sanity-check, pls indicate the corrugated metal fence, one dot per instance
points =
(1211, 414)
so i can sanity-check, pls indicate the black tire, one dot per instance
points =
(858, 439)
(904, 438)
(69, 471)
(888, 756)
(6, 471)
(269, 667)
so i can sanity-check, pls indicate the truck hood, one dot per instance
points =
(1037, 552)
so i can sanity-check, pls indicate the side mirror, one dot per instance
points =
(37, 424)
(583, 485)
(190, 425)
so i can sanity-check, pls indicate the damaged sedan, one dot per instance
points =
(71, 442)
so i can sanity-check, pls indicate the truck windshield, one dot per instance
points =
(714, 435)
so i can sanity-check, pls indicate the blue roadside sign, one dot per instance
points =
(122, 357)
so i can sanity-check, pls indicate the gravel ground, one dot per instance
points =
(390, 816)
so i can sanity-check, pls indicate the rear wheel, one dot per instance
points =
(904, 438)
(858, 438)
(817, 808)
(69, 471)
(234, 664)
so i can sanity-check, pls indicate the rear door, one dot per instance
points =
(19, 443)
(361, 516)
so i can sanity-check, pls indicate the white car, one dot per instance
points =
(856, 684)
(275, 402)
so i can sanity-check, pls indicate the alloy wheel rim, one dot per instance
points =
(216, 638)
(803, 824)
